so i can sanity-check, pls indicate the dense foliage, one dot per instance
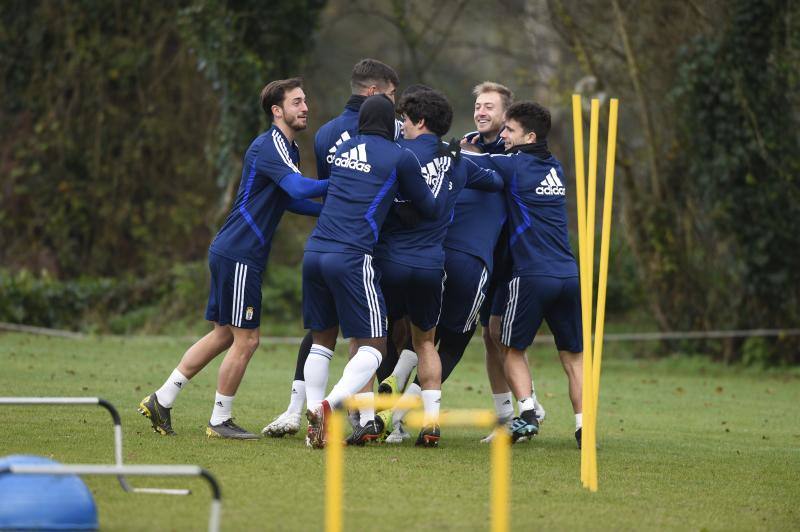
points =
(708, 160)
(122, 124)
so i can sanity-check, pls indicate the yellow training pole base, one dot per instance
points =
(334, 473)
(500, 505)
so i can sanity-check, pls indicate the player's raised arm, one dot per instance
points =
(300, 187)
(430, 202)
(482, 178)
(274, 161)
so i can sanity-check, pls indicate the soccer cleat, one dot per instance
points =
(229, 430)
(389, 385)
(365, 434)
(579, 436)
(383, 420)
(428, 436)
(398, 435)
(158, 415)
(286, 423)
(318, 425)
(490, 436)
(524, 427)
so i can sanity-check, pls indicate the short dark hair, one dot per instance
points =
(430, 105)
(274, 92)
(372, 72)
(413, 88)
(532, 117)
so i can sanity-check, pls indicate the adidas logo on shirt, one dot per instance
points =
(332, 152)
(551, 185)
(434, 171)
(355, 159)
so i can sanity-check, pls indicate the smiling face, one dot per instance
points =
(514, 135)
(293, 111)
(489, 114)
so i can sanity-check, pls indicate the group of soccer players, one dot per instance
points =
(417, 239)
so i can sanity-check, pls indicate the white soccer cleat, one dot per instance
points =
(286, 423)
(398, 435)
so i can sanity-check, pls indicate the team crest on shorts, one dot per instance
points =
(248, 315)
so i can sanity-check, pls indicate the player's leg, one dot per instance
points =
(157, 406)
(564, 319)
(407, 361)
(355, 286)
(231, 372)
(392, 355)
(424, 293)
(289, 421)
(527, 301)
(320, 316)
(245, 319)
(398, 364)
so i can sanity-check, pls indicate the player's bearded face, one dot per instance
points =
(488, 113)
(295, 110)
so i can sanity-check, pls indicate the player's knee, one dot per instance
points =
(247, 344)
(572, 362)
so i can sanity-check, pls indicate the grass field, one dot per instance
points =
(685, 445)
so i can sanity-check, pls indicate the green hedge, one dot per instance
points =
(165, 302)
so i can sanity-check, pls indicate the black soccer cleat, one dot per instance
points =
(158, 415)
(524, 427)
(579, 436)
(362, 435)
(229, 430)
(428, 436)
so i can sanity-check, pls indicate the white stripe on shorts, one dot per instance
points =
(239, 283)
(472, 319)
(511, 310)
(235, 292)
(372, 297)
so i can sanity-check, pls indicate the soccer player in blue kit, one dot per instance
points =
(369, 77)
(544, 282)
(341, 288)
(411, 256)
(270, 184)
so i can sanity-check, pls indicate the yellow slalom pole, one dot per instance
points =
(591, 201)
(334, 473)
(605, 243)
(591, 194)
(580, 192)
(500, 507)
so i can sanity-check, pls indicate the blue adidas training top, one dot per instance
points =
(479, 217)
(367, 173)
(342, 128)
(421, 246)
(270, 182)
(536, 200)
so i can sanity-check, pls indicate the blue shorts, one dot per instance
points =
(412, 292)
(531, 299)
(495, 302)
(464, 291)
(235, 295)
(343, 289)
